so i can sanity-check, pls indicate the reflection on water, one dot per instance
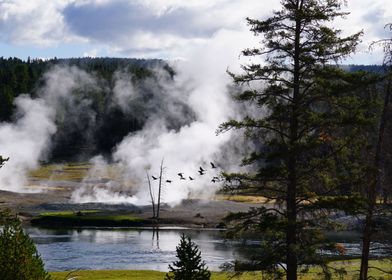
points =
(124, 249)
(82, 249)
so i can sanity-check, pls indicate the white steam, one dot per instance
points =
(28, 140)
(123, 89)
(202, 84)
(99, 186)
(25, 141)
(180, 119)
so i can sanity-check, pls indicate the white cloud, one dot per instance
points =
(156, 27)
(91, 53)
(38, 23)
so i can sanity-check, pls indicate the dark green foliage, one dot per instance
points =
(310, 117)
(189, 266)
(19, 259)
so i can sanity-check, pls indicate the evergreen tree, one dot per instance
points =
(309, 112)
(189, 266)
(19, 259)
(6, 103)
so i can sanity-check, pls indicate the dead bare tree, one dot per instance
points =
(151, 195)
(159, 190)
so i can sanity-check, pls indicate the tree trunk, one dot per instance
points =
(291, 199)
(291, 234)
(159, 190)
(151, 196)
(372, 189)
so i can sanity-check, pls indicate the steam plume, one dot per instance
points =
(201, 84)
(28, 139)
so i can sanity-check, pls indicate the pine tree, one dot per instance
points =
(189, 266)
(19, 258)
(309, 112)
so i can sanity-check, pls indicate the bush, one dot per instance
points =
(189, 265)
(19, 259)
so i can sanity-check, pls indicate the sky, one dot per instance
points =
(167, 29)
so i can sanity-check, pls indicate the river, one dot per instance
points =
(94, 249)
(147, 249)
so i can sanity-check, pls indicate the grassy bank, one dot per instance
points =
(352, 268)
(87, 218)
(136, 275)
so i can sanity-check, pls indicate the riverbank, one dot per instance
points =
(135, 275)
(379, 271)
(53, 207)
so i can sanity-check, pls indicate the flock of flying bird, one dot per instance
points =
(201, 172)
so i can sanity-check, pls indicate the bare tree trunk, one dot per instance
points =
(372, 189)
(159, 190)
(151, 195)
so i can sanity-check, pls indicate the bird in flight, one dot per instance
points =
(212, 165)
(201, 169)
(168, 181)
(201, 172)
(190, 178)
(155, 178)
(181, 176)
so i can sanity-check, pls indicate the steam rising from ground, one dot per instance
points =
(98, 186)
(183, 150)
(27, 140)
(180, 129)
(202, 84)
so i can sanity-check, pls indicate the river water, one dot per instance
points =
(94, 249)
(147, 249)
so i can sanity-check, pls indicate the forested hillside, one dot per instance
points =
(92, 122)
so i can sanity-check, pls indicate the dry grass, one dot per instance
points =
(76, 172)
(243, 198)
(67, 172)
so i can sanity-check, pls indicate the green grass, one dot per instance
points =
(68, 213)
(87, 218)
(352, 268)
(135, 275)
